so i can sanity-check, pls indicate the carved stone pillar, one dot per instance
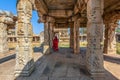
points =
(74, 29)
(76, 36)
(71, 35)
(3, 35)
(105, 49)
(51, 35)
(110, 39)
(24, 52)
(46, 48)
(94, 55)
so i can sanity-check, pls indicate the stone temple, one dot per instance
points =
(100, 17)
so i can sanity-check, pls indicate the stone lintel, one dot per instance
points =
(60, 13)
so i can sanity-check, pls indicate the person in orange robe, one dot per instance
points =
(55, 44)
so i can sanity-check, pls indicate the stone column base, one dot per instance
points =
(46, 49)
(26, 71)
(98, 76)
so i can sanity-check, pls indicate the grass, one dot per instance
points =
(118, 48)
(64, 44)
(84, 44)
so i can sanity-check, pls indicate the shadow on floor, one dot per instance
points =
(112, 59)
(61, 65)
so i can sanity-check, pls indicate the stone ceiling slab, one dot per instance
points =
(60, 4)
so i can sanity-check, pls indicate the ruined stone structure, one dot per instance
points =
(7, 20)
(93, 14)
(9, 33)
(12, 41)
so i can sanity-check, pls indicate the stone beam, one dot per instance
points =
(60, 13)
(41, 7)
(60, 29)
(62, 20)
(61, 25)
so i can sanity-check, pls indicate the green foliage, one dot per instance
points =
(118, 48)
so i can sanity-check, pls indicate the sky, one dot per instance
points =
(10, 5)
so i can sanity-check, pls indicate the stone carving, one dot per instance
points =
(24, 15)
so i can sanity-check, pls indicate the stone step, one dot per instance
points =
(7, 58)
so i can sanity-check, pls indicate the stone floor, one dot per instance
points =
(62, 65)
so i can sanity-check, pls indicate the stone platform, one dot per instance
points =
(61, 65)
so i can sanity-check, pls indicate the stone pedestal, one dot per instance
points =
(3, 38)
(94, 55)
(24, 51)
